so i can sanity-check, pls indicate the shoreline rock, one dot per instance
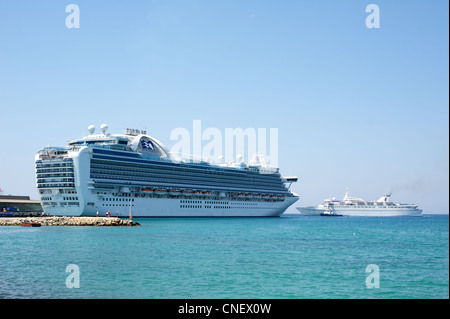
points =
(69, 221)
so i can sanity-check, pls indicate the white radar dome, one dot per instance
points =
(91, 128)
(104, 128)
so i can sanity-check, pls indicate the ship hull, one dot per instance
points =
(358, 212)
(179, 207)
(310, 211)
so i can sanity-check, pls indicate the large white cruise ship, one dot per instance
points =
(353, 206)
(135, 173)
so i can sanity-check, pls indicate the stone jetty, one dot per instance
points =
(69, 221)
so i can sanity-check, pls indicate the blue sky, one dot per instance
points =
(354, 107)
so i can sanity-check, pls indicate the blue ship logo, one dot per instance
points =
(147, 144)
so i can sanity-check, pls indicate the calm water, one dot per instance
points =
(288, 257)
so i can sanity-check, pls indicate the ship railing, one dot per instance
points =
(145, 156)
(179, 157)
(162, 184)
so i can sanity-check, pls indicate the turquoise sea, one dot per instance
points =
(292, 256)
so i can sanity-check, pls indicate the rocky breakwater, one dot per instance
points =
(69, 221)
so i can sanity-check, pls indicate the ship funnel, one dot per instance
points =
(384, 198)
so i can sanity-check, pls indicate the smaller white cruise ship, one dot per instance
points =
(353, 206)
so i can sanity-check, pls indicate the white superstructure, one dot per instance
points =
(135, 173)
(353, 206)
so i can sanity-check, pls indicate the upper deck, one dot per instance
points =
(137, 144)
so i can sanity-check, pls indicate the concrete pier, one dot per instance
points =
(69, 221)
